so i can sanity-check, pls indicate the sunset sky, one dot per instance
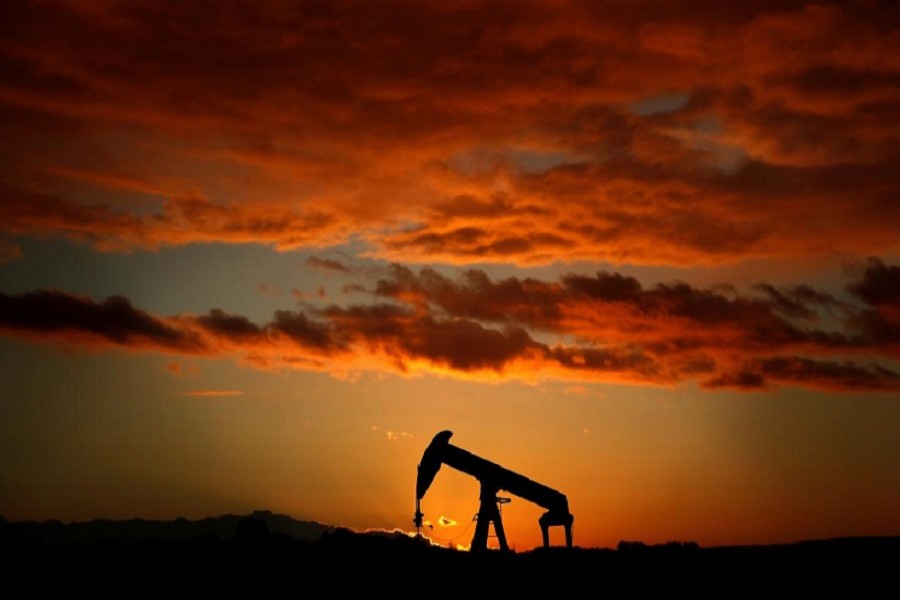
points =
(254, 255)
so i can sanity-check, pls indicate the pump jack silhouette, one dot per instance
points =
(493, 478)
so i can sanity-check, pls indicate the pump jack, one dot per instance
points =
(492, 478)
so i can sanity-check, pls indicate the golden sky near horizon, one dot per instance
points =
(254, 255)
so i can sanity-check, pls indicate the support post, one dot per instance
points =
(488, 513)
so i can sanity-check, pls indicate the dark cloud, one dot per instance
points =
(879, 284)
(630, 361)
(460, 344)
(881, 327)
(114, 320)
(742, 380)
(786, 303)
(233, 327)
(830, 375)
(299, 328)
(673, 330)
(611, 287)
(844, 375)
(327, 264)
(406, 337)
(374, 323)
(527, 301)
(466, 345)
(607, 327)
(547, 305)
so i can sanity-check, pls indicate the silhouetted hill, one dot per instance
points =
(133, 531)
(264, 553)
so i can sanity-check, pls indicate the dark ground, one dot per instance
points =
(255, 555)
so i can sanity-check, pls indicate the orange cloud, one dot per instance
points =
(182, 220)
(602, 328)
(180, 369)
(175, 368)
(527, 133)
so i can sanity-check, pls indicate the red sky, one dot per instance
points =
(670, 198)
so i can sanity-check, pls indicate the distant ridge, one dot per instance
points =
(135, 531)
(266, 554)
